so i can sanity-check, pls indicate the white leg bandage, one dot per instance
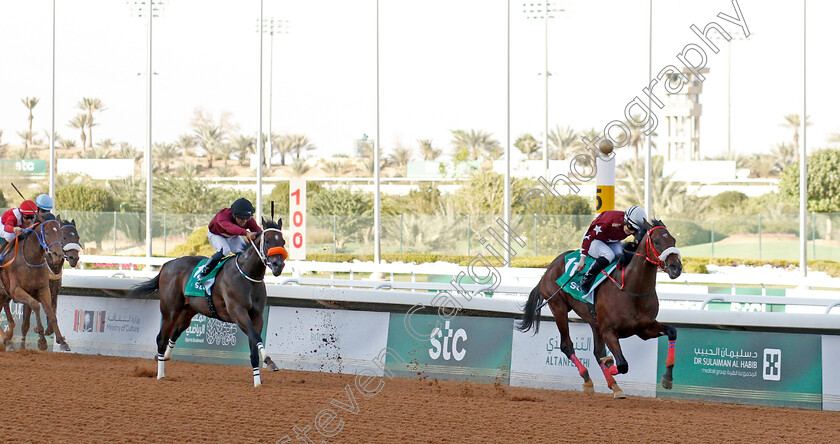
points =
(257, 381)
(168, 354)
(161, 373)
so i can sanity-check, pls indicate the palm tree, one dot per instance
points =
(165, 153)
(473, 144)
(2, 145)
(244, 145)
(565, 141)
(299, 143)
(794, 121)
(29, 103)
(528, 145)
(80, 122)
(299, 168)
(90, 104)
(400, 157)
(668, 198)
(283, 145)
(210, 138)
(428, 152)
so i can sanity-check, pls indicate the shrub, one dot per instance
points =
(689, 233)
(196, 244)
(84, 198)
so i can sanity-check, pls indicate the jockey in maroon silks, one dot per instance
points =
(603, 240)
(226, 230)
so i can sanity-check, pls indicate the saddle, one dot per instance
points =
(570, 280)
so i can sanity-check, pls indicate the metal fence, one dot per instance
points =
(755, 236)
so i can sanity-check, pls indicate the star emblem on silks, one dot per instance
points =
(586, 237)
(597, 229)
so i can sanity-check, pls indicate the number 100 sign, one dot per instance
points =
(297, 219)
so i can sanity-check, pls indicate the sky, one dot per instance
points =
(443, 67)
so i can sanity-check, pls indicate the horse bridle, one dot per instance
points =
(263, 255)
(41, 241)
(660, 257)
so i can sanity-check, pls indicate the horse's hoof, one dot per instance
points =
(588, 388)
(64, 347)
(271, 365)
(618, 394)
(22, 345)
(667, 384)
(10, 347)
(42, 344)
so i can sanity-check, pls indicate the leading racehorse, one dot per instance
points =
(25, 272)
(70, 242)
(238, 294)
(625, 307)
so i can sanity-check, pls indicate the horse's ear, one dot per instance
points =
(280, 223)
(72, 221)
(263, 222)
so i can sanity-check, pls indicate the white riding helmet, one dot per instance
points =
(44, 202)
(635, 217)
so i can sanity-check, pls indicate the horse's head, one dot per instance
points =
(71, 241)
(274, 246)
(48, 231)
(660, 249)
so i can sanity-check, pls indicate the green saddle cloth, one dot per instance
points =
(200, 289)
(570, 281)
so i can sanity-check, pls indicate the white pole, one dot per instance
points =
(150, 13)
(269, 149)
(803, 159)
(545, 136)
(52, 116)
(377, 205)
(648, 205)
(507, 149)
(260, 130)
(728, 100)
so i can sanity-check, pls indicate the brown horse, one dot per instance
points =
(238, 295)
(70, 242)
(25, 275)
(625, 307)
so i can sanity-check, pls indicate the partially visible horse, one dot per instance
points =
(25, 275)
(70, 242)
(238, 294)
(622, 309)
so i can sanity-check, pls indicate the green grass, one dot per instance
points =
(749, 248)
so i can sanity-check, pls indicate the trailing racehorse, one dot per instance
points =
(70, 242)
(25, 275)
(238, 294)
(625, 307)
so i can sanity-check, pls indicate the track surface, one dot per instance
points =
(52, 397)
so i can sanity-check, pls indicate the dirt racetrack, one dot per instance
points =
(52, 397)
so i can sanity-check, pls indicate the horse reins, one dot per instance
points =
(660, 261)
(41, 241)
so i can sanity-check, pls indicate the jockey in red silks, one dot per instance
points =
(15, 219)
(226, 230)
(603, 240)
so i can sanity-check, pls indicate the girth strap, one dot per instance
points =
(211, 306)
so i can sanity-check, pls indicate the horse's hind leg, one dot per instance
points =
(606, 362)
(561, 317)
(181, 326)
(167, 326)
(7, 336)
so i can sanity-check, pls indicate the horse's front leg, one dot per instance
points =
(258, 353)
(19, 295)
(257, 322)
(52, 321)
(24, 325)
(609, 368)
(606, 362)
(7, 336)
(656, 330)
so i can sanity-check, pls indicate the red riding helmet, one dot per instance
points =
(28, 207)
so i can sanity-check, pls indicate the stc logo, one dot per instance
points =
(453, 343)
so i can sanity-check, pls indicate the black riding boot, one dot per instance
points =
(592, 274)
(210, 265)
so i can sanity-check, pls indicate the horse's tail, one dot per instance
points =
(145, 289)
(530, 317)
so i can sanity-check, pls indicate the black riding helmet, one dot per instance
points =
(242, 208)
